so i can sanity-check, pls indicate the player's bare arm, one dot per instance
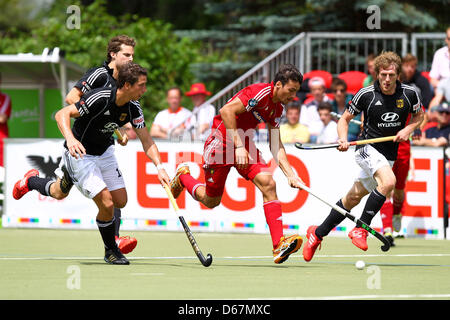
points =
(73, 96)
(342, 128)
(279, 154)
(152, 152)
(414, 123)
(62, 118)
(228, 113)
(3, 118)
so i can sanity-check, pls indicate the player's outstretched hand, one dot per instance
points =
(343, 145)
(295, 182)
(241, 157)
(76, 149)
(402, 135)
(163, 177)
(124, 140)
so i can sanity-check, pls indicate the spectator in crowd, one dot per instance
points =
(309, 115)
(442, 93)
(438, 135)
(200, 122)
(440, 67)
(292, 131)
(370, 69)
(412, 77)
(329, 131)
(170, 123)
(339, 104)
(5, 113)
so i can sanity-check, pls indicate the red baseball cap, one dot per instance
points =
(197, 88)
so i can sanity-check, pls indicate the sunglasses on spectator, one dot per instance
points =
(446, 112)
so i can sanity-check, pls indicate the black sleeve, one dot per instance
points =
(414, 99)
(92, 79)
(93, 102)
(359, 102)
(136, 115)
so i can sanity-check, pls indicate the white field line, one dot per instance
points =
(228, 257)
(362, 297)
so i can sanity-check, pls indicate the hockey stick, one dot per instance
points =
(298, 145)
(118, 134)
(206, 262)
(386, 244)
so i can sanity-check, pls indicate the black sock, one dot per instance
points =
(333, 219)
(373, 205)
(106, 229)
(42, 185)
(117, 215)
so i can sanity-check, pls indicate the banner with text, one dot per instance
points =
(328, 172)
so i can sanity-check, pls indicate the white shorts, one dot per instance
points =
(91, 174)
(370, 160)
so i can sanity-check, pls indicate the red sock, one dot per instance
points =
(386, 214)
(190, 184)
(272, 211)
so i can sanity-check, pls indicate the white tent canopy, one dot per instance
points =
(44, 71)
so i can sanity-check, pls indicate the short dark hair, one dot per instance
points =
(325, 106)
(409, 58)
(130, 73)
(288, 72)
(115, 43)
(338, 82)
(370, 57)
(295, 104)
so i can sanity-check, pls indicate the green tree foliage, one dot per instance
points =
(249, 30)
(165, 56)
(213, 41)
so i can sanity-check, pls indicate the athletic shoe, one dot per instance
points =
(21, 186)
(114, 256)
(359, 237)
(387, 233)
(311, 245)
(175, 185)
(66, 181)
(286, 247)
(397, 222)
(126, 244)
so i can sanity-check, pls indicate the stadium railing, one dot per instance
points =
(335, 52)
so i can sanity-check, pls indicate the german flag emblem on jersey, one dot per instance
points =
(123, 116)
(400, 103)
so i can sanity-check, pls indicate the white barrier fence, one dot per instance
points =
(329, 172)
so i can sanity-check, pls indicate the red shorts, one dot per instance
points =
(216, 176)
(401, 165)
(216, 168)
